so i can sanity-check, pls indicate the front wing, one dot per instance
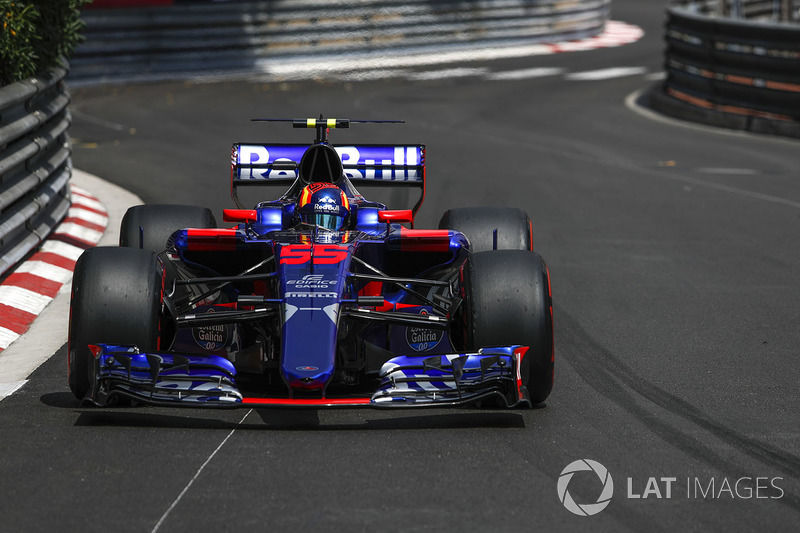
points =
(404, 381)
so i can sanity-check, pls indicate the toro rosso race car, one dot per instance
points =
(320, 298)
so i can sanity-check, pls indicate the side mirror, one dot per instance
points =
(399, 216)
(239, 215)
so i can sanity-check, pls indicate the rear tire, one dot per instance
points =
(116, 299)
(514, 228)
(509, 302)
(159, 221)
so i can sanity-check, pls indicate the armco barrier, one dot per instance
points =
(35, 164)
(163, 42)
(737, 73)
(765, 10)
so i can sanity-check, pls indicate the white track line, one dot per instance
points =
(7, 389)
(197, 474)
(524, 74)
(446, 73)
(606, 73)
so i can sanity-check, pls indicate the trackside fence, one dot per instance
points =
(35, 164)
(160, 42)
(765, 10)
(742, 73)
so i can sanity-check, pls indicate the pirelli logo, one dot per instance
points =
(311, 295)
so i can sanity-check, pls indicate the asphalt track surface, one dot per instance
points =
(674, 261)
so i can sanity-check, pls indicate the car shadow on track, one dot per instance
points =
(305, 421)
(361, 420)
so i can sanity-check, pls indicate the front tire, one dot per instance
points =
(158, 222)
(514, 227)
(116, 299)
(509, 302)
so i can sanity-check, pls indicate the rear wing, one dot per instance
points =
(373, 164)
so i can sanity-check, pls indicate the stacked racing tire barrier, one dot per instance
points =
(35, 164)
(161, 42)
(740, 73)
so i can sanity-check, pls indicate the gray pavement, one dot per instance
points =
(673, 257)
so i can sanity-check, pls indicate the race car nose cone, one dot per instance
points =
(307, 378)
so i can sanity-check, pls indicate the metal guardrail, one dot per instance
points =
(739, 73)
(35, 164)
(160, 42)
(765, 10)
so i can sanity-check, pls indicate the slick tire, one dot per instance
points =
(514, 228)
(116, 299)
(509, 302)
(158, 222)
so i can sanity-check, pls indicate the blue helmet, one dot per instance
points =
(324, 205)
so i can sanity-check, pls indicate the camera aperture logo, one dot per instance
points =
(585, 509)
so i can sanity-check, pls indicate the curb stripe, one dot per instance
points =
(82, 192)
(63, 249)
(55, 260)
(88, 203)
(33, 283)
(88, 208)
(45, 270)
(85, 223)
(23, 299)
(7, 337)
(27, 290)
(79, 232)
(92, 217)
(16, 320)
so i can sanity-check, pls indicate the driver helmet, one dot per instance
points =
(324, 205)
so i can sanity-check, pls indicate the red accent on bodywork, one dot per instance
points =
(324, 254)
(389, 306)
(401, 215)
(424, 240)
(207, 240)
(519, 354)
(373, 288)
(261, 288)
(95, 350)
(239, 215)
(306, 402)
(329, 254)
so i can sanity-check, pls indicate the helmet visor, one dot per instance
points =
(329, 222)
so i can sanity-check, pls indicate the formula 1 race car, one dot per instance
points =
(320, 298)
